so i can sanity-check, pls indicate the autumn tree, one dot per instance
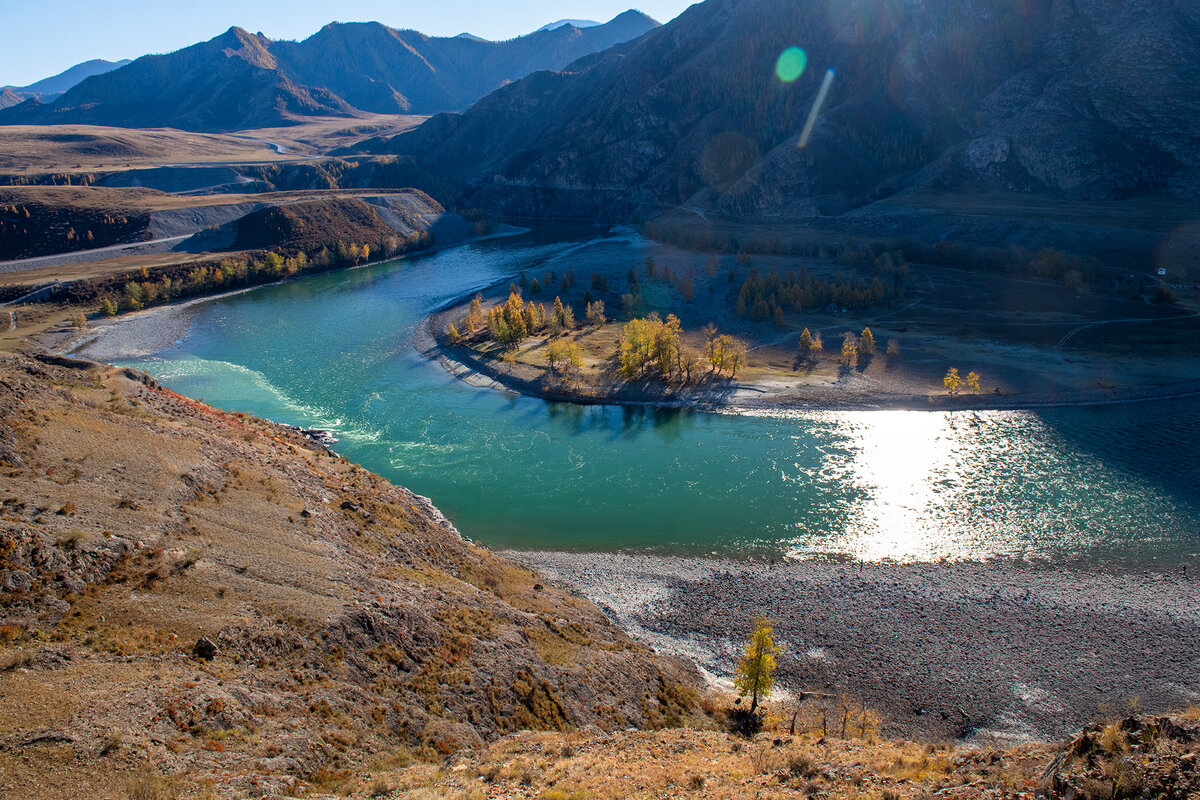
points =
(595, 312)
(452, 334)
(727, 353)
(849, 356)
(636, 347)
(666, 344)
(953, 381)
(755, 668)
(562, 355)
(973, 381)
(475, 314)
(866, 343)
(893, 349)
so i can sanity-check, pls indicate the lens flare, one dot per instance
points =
(791, 64)
(816, 109)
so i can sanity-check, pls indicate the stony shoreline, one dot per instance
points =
(1006, 651)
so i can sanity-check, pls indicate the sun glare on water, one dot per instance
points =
(912, 472)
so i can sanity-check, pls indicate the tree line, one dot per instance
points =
(147, 287)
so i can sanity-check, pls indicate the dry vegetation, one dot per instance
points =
(29, 150)
(593, 765)
(197, 599)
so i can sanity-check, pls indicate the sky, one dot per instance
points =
(40, 39)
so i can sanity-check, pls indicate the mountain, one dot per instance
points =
(578, 23)
(9, 98)
(381, 69)
(1037, 96)
(231, 81)
(57, 84)
(240, 80)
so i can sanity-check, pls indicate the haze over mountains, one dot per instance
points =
(57, 84)
(1091, 99)
(241, 80)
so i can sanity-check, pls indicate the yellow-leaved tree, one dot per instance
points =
(754, 671)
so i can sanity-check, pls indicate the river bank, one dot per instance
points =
(1002, 650)
(887, 389)
(1010, 645)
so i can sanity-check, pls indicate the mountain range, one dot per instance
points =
(57, 84)
(241, 80)
(1090, 99)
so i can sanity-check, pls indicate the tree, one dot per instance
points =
(726, 353)
(849, 357)
(452, 335)
(710, 343)
(595, 312)
(475, 314)
(754, 670)
(973, 381)
(893, 348)
(108, 308)
(666, 344)
(563, 355)
(866, 343)
(79, 320)
(636, 347)
(535, 287)
(953, 381)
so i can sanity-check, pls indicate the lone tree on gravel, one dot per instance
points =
(754, 671)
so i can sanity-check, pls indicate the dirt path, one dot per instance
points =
(82, 256)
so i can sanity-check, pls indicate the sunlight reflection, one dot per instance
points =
(909, 465)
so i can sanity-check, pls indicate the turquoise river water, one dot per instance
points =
(335, 351)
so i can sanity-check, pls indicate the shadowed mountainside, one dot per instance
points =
(240, 80)
(1089, 100)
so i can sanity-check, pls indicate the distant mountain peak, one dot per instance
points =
(57, 84)
(242, 80)
(576, 23)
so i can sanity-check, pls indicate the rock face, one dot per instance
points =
(241, 80)
(1089, 99)
(214, 578)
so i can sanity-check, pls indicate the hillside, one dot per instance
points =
(191, 591)
(957, 97)
(57, 84)
(9, 98)
(240, 80)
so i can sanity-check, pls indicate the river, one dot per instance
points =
(334, 351)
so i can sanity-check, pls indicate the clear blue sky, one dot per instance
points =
(40, 39)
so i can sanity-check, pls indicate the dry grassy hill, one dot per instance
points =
(203, 594)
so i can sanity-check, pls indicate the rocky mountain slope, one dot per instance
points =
(9, 98)
(240, 80)
(1087, 99)
(189, 591)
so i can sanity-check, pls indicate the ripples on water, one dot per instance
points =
(333, 352)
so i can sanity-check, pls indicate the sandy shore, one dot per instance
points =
(1008, 651)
